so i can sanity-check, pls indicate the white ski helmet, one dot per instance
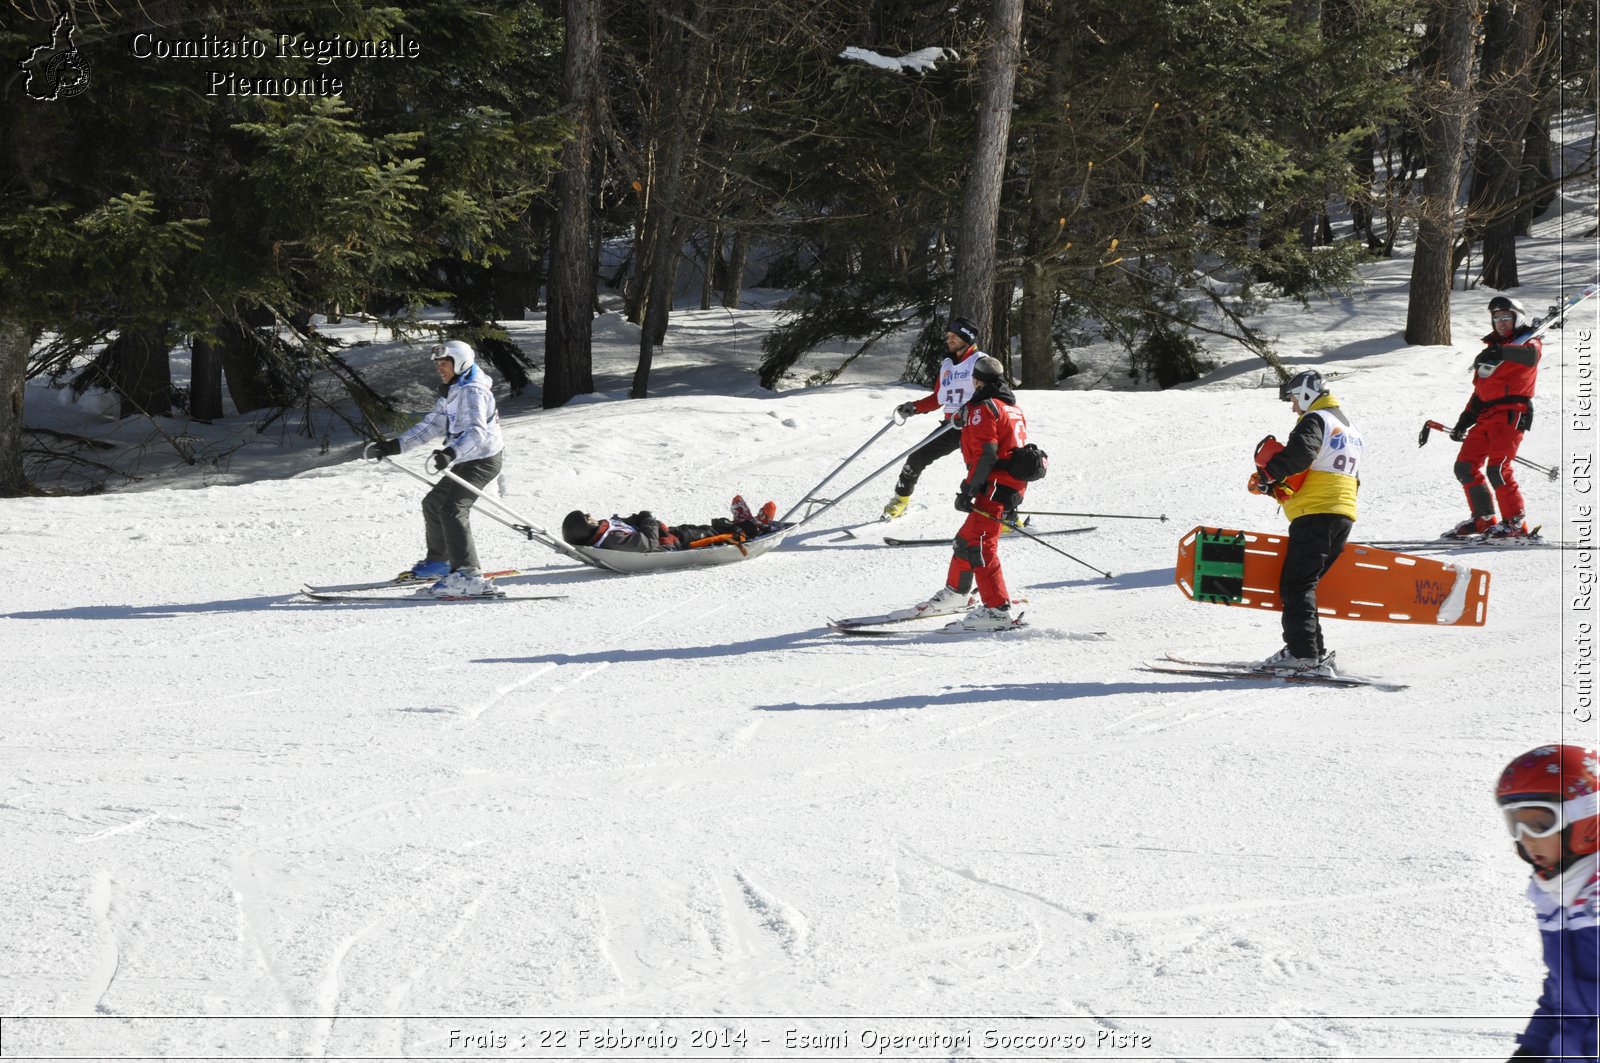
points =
(1503, 303)
(1303, 388)
(457, 353)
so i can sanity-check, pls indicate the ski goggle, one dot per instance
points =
(1502, 317)
(1535, 819)
(441, 354)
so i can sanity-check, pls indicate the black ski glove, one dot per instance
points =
(906, 409)
(963, 502)
(442, 458)
(386, 448)
(1459, 432)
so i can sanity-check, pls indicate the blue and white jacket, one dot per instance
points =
(1568, 907)
(465, 414)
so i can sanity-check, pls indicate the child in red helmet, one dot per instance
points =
(1551, 802)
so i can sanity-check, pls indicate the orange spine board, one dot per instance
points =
(1365, 583)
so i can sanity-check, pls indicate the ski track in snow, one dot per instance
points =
(781, 920)
(104, 970)
(254, 915)
(327, 993)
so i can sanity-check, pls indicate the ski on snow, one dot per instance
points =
(1531, 541)
(891, 541)
(873, 626)
(1171, 665)
(423, 599)
(403, 580)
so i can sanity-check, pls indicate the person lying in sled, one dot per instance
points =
(644, 533)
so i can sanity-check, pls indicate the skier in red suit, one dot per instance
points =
(1490, 429)
(992, 428)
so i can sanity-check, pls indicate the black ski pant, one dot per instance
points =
(1315, 541)
(445, 511)
(925, 455)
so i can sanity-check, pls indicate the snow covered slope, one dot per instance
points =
(678, 795)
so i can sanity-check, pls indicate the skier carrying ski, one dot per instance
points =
(1314, 477)
(1550, 798)
(954, 388)
(992, 429)
(643, 533)
(1497, 415)
(464, 414)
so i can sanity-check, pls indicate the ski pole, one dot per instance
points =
(945, 427)
(807, 497)
(1020, 530)
(1549, 470)
(1108, 516)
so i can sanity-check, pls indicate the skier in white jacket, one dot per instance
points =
(465, 416)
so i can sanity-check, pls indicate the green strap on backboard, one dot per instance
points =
(1219, 567)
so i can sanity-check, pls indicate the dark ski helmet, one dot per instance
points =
(1305, 388)
(577, 528)
(963, 328)
(1503, 304)
(988, 369)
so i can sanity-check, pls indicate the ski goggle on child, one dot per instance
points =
(1534, 819)
(1545, 819)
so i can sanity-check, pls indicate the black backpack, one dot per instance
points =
(1028, 463)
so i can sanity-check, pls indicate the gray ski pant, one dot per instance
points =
(446, 509)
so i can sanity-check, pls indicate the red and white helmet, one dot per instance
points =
(1564, 780)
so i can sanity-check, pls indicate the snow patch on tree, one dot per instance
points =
(920, 61)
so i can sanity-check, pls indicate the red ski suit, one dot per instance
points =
(999, 429)
(1499, 411)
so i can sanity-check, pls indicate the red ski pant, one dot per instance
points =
(977, 550)
(1492, 442)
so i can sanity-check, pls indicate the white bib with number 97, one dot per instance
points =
(1342, 451)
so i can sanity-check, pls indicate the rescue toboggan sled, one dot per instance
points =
(1229, 567)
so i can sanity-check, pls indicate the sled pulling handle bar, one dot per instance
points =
(810, 496)
(814, 514)
(519, 524)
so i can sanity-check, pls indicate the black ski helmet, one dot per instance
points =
(988, 369)
(577, 528)
(1503, 303)
(963, 328)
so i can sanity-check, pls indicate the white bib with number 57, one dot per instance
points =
(955, 382)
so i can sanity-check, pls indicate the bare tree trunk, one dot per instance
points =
(568, 350)
(683, 89)
(1000, 331)
(15, 343)
(736, 265)
(980, 206)
(708, 282)
(1511, 31)
(205, 380)
(142, 369)
(1445, 101)
(244, 357)
(1038, 306)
